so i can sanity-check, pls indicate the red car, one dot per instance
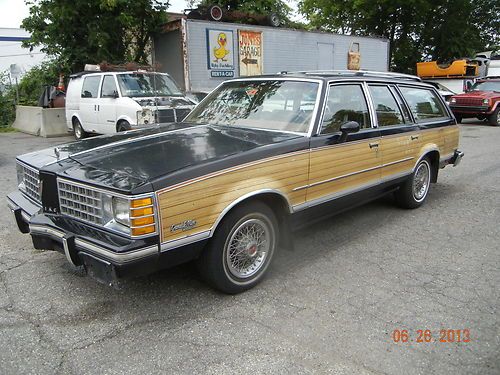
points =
(481, 101)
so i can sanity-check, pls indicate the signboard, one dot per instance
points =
(250, 52)
(220, 54)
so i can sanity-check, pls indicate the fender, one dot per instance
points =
(245, 197)
(69, 120)
(426, 150)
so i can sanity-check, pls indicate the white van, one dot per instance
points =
(109, 102)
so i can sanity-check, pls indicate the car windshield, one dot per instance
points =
(263, 104)
(147, 84)
(486, 86)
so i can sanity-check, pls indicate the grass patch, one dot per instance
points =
(7, 129)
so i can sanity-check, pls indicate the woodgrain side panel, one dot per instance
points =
(203, 200)
(338, 163)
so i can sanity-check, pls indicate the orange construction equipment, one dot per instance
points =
(458, 68)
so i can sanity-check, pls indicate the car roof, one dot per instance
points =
(84, 73)
(329, 75)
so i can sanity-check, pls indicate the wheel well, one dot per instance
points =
(433, 157)
(280, 207)
(74, 119)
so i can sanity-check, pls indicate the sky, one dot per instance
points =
(12, 12)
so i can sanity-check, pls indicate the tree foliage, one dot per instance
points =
(417, 29)
(91, 31)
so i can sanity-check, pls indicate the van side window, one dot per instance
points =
(108, 89)
(386, 107)
(90, 87)
(424, 104)
(345, 103)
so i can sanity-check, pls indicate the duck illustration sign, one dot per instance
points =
(250, 52)
(220, 53)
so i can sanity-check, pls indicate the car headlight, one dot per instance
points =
(486, 101)
(453, 100)
(121, 211)
(20, 176)
(145, 116)
(134, 217)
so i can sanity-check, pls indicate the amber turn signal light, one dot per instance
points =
(143, 230)
(141, 202)
(143, 221)
(142, 212)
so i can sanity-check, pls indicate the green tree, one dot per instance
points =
(91, 31)
(416, 29)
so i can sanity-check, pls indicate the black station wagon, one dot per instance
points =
(256, 158)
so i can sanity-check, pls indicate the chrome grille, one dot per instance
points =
(31, 182)
(80, 202)
(469, 101)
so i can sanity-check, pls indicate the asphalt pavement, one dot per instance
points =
(330, 306)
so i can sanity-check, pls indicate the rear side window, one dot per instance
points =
(424, 104)
(345, 103)
(90, 87)
(386, 107)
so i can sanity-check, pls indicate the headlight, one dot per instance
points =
(453, 100)
(145, 116)
(121, 211)
(20, 176)
(134, 217)
(486, 101)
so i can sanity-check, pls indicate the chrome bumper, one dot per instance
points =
(457, 157)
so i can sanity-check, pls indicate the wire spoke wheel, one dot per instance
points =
(421, 181)
(248, 247)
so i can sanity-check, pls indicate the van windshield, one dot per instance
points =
(147, 84)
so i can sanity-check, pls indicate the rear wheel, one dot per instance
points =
(238, 255)
(495, 117)
(78, 130)
(123, 126)
(413, 192)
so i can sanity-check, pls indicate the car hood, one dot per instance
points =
(479, 94)
(127, 161)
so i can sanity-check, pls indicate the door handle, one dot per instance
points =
(374, 144)
(414, 137)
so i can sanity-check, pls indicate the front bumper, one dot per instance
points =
(462, 109)
(107, 257)
(454, 159)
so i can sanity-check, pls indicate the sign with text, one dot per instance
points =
(220, 50)
(250, 52)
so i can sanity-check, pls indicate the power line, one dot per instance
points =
(24, 54)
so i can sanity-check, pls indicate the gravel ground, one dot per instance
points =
(330, 306)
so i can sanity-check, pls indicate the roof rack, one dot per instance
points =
(357, 73)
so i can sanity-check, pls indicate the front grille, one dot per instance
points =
(171, 115)
(80, 202)
(469, 101)
(31, 181)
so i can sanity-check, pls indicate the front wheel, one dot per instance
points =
(413, 192)
(123, 126)
(495, 117)
(238, 255)
(78, 130)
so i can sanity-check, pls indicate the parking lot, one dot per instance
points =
(329, 306)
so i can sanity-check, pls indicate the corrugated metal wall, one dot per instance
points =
(284, 49)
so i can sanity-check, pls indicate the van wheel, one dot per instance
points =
(238, 255)
(78, 130)
(413, 192)
(495, 117)
(123, 126)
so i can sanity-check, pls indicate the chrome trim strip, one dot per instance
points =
(342, 193)
(398, 161)
(117, 257)
(172, 244)
(66, 251)
(42, 229)
(12, 206)
(25, 216)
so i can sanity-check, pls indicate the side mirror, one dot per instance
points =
(347, 128)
